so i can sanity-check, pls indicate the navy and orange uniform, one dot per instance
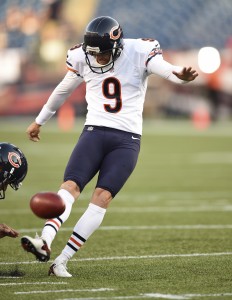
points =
(110, 141)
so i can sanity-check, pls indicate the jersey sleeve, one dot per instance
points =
(153, 50)
(74, 60)
(146, 50)
(69, 83)
(156, 64)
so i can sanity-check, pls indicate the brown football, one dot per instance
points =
(47, 205)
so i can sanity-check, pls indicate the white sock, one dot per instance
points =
(87, 224)
(52, 226)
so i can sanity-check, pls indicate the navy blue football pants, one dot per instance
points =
(111, 152)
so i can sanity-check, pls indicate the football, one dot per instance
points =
(47, 205)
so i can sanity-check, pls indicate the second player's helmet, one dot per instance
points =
(102, 35)
(13, 167)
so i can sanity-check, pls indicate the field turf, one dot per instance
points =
(167, 234)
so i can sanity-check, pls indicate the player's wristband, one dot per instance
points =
(44, 115)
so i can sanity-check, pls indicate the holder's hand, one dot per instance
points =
(7, 231)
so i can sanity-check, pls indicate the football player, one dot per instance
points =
(116, 72)
(13, 170)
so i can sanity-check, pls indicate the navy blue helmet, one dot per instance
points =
(13, 167)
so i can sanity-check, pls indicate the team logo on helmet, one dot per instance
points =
(115, 33)
(14, 159)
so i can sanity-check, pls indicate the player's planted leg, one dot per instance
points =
(85, 227)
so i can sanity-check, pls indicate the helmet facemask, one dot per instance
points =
(9, 179)
(91, 58)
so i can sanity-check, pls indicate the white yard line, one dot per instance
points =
(207, 295)
(138, 209)
(172, 227)
(154, 256)
(11, 277)
(31, 283)
(154, 296)
(158, 209)
(164, 296)
(105, 298)
(155, 227)
(128, 257)
(64, 291)
(175, 196)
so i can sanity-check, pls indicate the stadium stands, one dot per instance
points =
(31, 30)
(176, 24)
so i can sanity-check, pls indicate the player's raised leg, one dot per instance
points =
(40, 246)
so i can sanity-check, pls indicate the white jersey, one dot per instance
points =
(115, 99)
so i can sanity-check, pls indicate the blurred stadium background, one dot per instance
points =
(35, 36)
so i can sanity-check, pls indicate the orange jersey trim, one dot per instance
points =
(70, 69)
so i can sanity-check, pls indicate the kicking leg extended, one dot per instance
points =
(41, 246)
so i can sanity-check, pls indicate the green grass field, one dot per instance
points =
(167, 234)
